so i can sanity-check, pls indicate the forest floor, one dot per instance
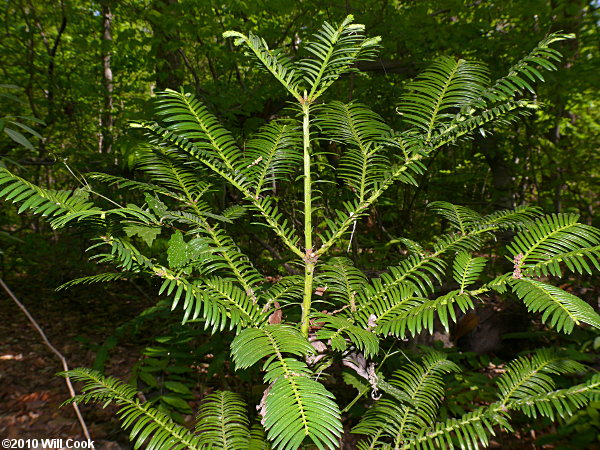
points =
(30, 391)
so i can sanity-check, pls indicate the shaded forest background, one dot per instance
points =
(74, 73)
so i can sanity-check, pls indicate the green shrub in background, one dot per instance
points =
(332, 314)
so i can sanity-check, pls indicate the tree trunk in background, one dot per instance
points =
(51, 47)
(106, 118)
(571, 22)
(169, 65)
(503, 183)
(503, 178)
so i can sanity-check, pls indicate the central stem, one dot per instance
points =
(309, 259)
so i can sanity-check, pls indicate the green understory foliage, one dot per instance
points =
(331, 314)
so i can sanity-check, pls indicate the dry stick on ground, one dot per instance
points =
(55, 351)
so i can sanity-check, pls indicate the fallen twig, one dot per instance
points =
(55, 351)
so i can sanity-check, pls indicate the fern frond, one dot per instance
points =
(352, 124)
(197, 218)
(190, 119)
(550, 236)
(423, 384)
(334, 50)
(297, 407)
(475, 427)
(466, 269)
(222, 422)
(466, 432)
(525, 71)
(413, 275)
(50, 203)
(123, 254)
(510, 219)
(173, 172)
(497, 102)
(354, 210)
(149, 426)
(413, 248)
(234, 212)
(457, 242)
(418, 314)
(126, 183)
(577, 261)
(561, 310)
(461, 217)
(337, 329)
(273, 154)
(219, 301)
(341, 280)
(253, 344)
(362, 165)
(465, 123)
(99, 278)
(258, 439)
(241, 304)
(265, 206)
(289, 289)
(278, 64)
(563, 402)
(527, 376)
(438, 93)
(236, 263)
